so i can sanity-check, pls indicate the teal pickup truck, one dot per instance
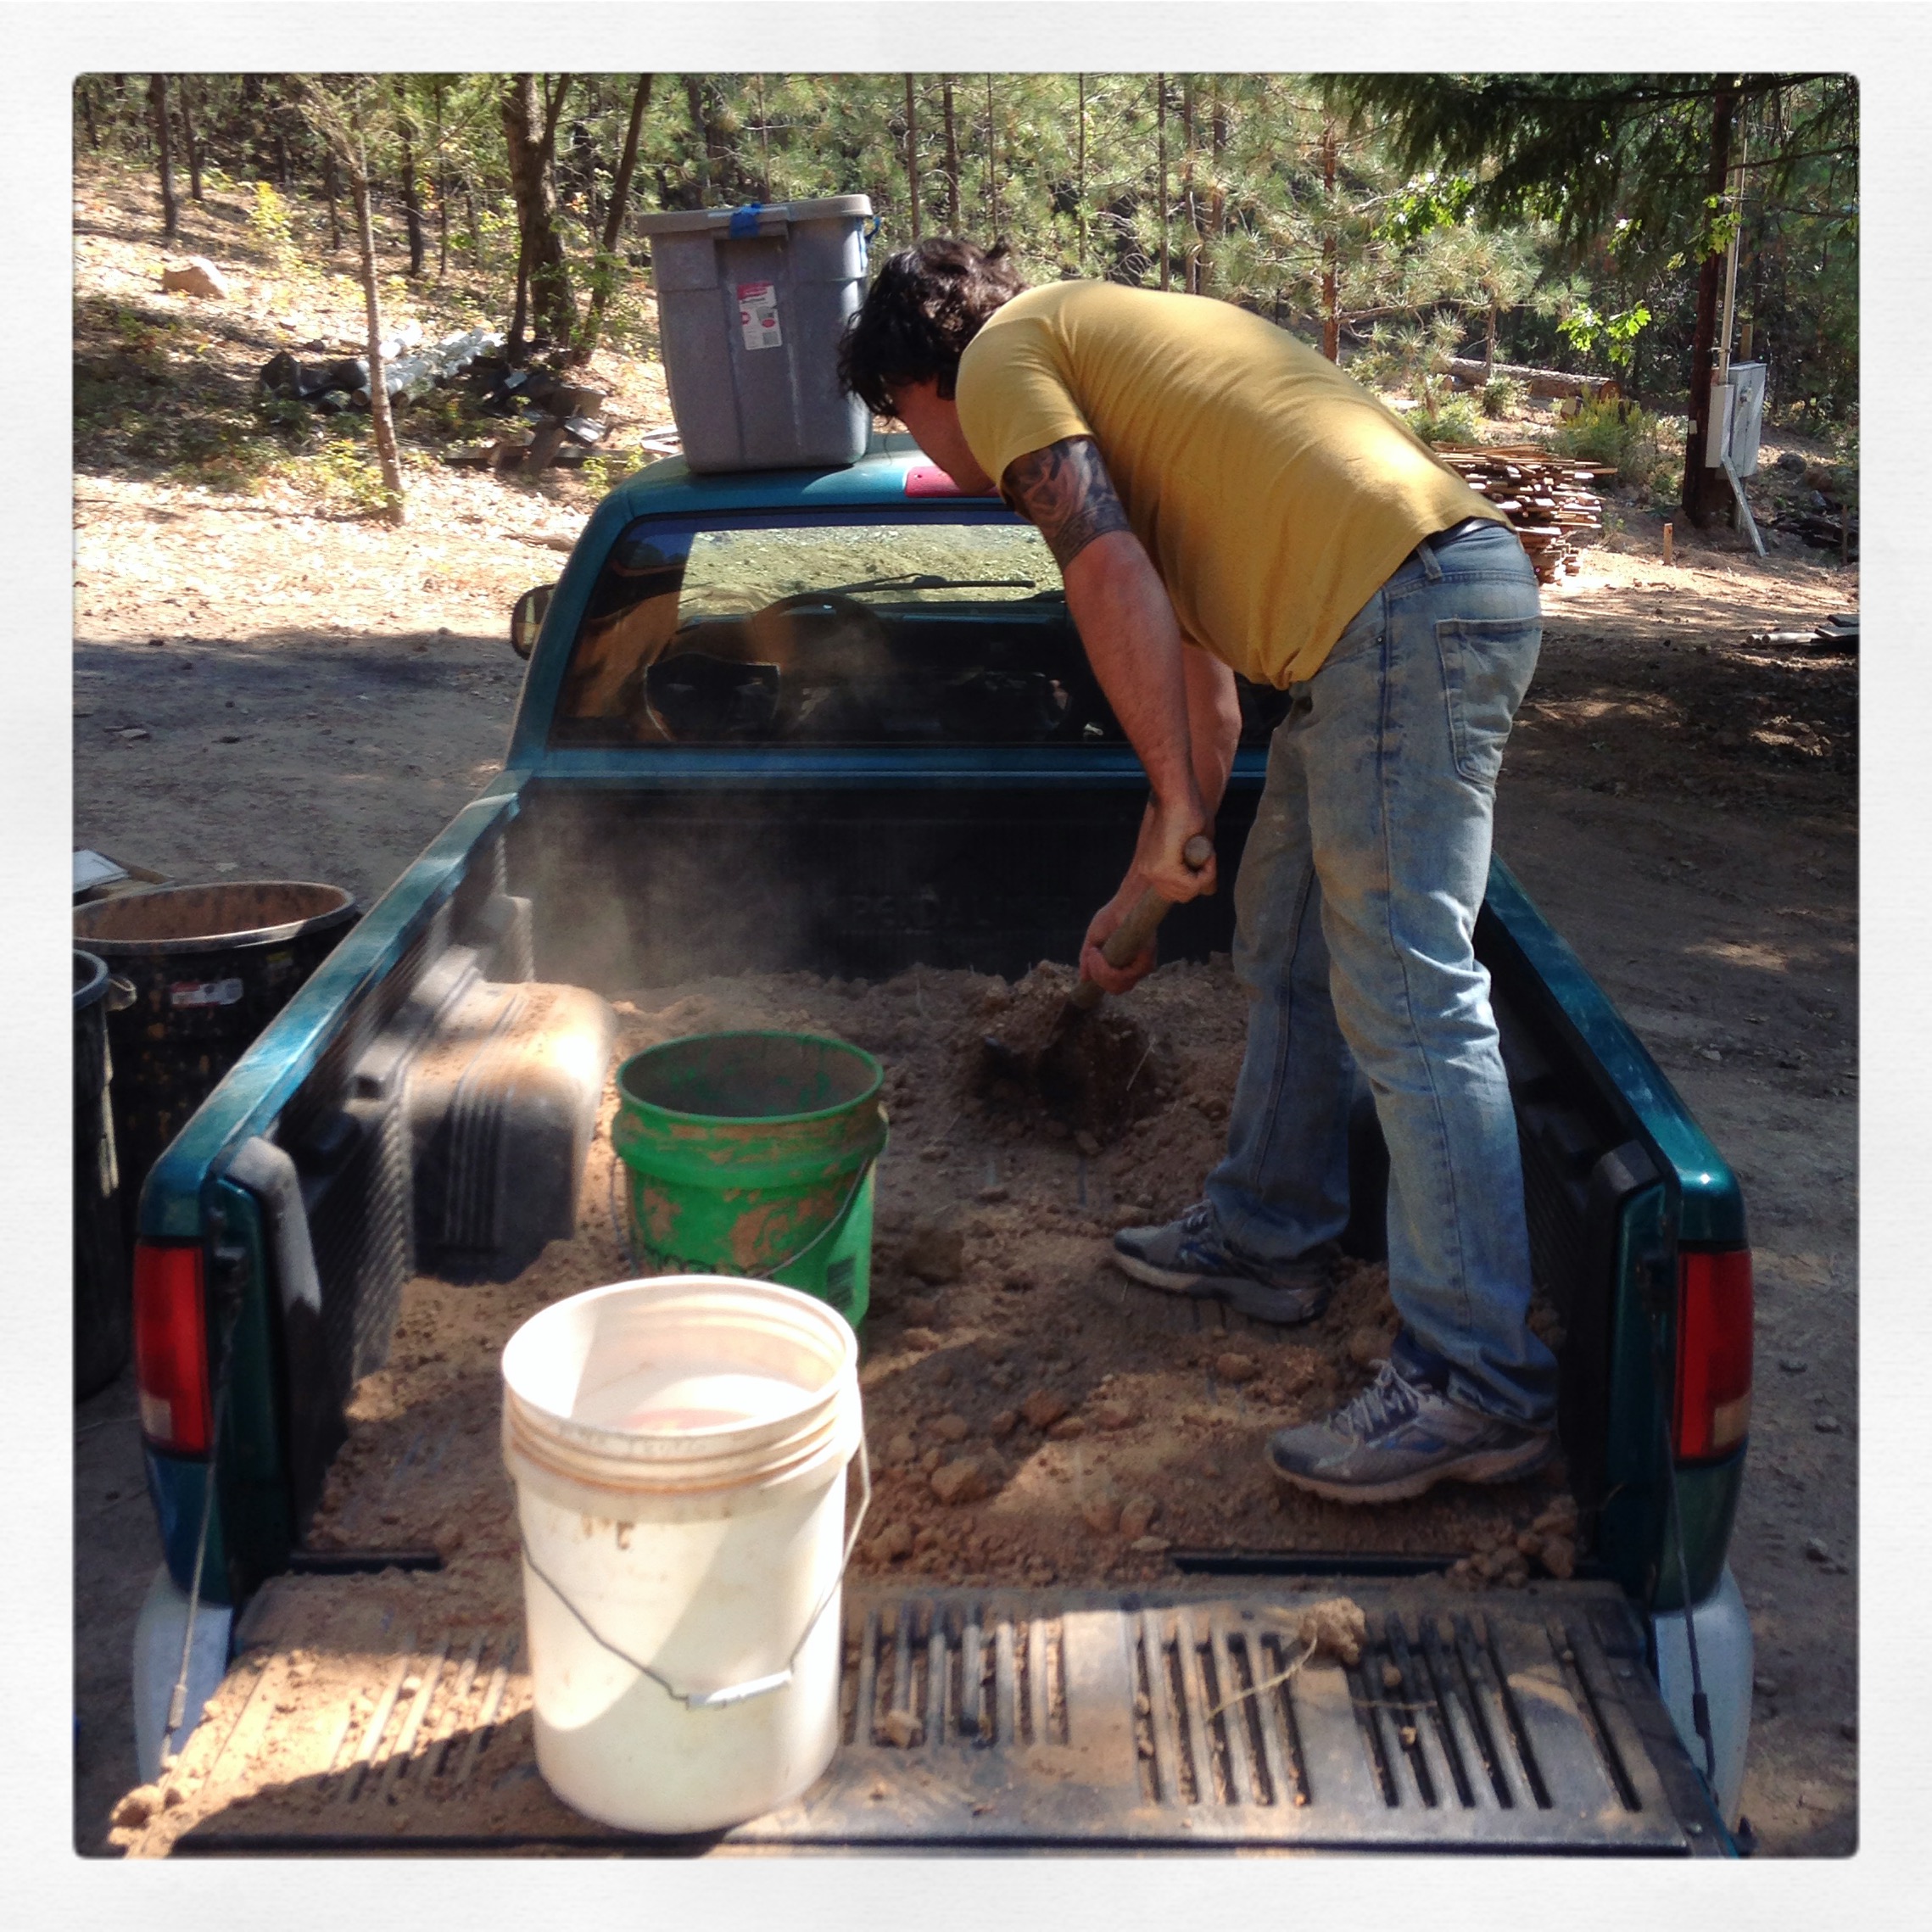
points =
(862, 690)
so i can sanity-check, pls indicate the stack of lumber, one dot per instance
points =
(1550, 499)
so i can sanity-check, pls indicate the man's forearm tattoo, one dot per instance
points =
(1065, 491)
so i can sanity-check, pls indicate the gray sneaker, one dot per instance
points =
(1189, 1257)
(1398, 1438)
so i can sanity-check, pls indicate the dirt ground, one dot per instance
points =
(267, 686)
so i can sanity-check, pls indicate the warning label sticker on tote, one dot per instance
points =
(758, 315)
(205, 993)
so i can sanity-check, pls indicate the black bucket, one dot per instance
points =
(210, 966)
(102, 1312)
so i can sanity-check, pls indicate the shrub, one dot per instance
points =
(1502, 395)
(273, 226)
(1454, 421)
(1619, 433)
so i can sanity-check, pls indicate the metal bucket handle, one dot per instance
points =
(752, 1687)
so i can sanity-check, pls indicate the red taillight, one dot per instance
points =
(1713, 1353)
(171, 1347)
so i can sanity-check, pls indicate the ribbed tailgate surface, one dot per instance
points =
(1519, 1720)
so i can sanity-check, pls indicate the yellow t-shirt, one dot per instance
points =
(1274, 494)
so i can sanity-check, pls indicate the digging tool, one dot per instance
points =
(1129, 939)
(1076, 1067)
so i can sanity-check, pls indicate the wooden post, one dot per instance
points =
(1701, 484)
(1670, 533)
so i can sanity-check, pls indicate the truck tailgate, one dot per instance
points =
(995, 1720)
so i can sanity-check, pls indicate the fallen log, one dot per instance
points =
(1468, 371)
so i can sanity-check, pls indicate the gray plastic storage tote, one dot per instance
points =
(751, 302)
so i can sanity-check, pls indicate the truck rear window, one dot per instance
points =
(923, 630)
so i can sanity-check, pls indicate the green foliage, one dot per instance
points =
(1424, 214)
(1583, 329)
(1624, 435)
(1403, 356)
(342, 474)
(1451, 419)
(272, 225)
(1502, 395)
(603, 471)
(1427, 202)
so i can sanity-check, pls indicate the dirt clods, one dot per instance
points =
(892, 1543)
(1336, 1627)
(1043, 1408)
(963, 1481)
(137, 1806)
(935, 1254)
(1050, 1065)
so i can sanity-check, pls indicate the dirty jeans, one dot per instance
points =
(1355, 906)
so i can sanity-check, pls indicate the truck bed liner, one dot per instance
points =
(1069, 1719)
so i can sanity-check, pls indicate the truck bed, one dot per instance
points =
(1617, 1175)
(386, 1705)
(1164, 1401)
(374, 1715)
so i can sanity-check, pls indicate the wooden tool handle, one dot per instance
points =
(1129, 939)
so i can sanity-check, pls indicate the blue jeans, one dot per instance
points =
(1356, 906)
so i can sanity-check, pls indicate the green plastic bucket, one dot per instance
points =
(752, 1153)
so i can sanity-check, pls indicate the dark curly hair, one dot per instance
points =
(927, 303)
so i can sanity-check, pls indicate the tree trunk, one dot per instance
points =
(86, 95)
(412, 200)
(513, 350)
(530, 135)
(259, 160)
(952, 158)
(329, 196)
(992, 159)
(1331, 252)
(158, 99)
(1489, 343)
(1191, 249)
(1160, 144)
(913, 155)
(381, 422)
(1704, 490)
(608, 262)
(626, 167)
(190, 141)
(1080, 187)
(695, 108)
(442, 192)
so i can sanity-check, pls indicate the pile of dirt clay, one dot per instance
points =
(1033, 1415)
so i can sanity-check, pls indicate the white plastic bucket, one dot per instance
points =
(679, 1447)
